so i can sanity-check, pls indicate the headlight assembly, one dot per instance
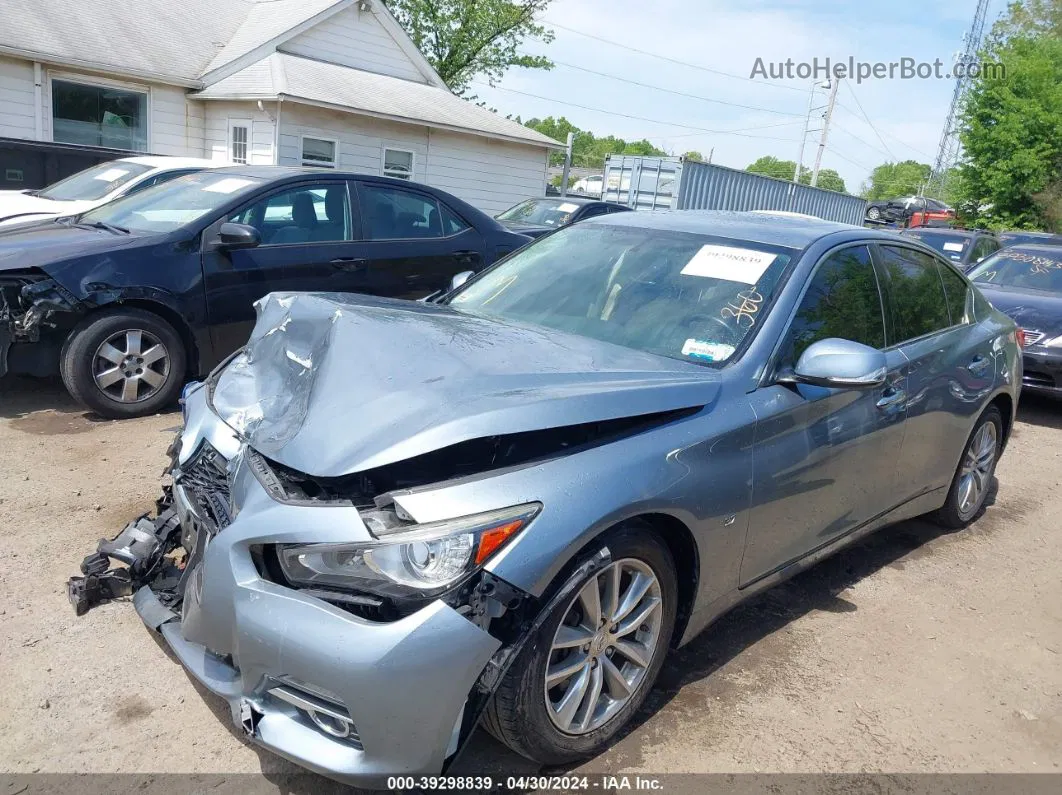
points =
(418, 560)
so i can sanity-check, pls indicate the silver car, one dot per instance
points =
(392, 521)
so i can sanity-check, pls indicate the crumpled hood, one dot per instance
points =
(14, 204)
(1030, 309)
(332, 384)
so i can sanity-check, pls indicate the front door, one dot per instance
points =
(307, 244)
(824, 460)
(412, 243)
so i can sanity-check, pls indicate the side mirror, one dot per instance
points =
(460, 278)
(233, 236)
(837, 363)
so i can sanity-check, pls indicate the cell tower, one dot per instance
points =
(948, 151)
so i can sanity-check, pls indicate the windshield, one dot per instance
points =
(1032, 270)
(95, 182)
(546, 212)
(951, 246)
(681, 295)
(173, 204)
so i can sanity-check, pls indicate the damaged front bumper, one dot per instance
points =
(352, 698)
(31, 304)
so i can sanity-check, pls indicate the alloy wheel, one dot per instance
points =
(131, 366)
(604, 646)
(976, 472)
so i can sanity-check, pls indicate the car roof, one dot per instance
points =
(941, 230)
(779, 230)
(159, 161)
(1035, 248)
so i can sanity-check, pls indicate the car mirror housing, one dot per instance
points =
(233, 236)
(838, 364)
(460, 278)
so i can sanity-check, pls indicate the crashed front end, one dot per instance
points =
(354, 670)
(34, 309)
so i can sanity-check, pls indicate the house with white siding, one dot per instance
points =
(326, 83)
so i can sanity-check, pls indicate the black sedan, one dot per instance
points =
(130, 299)
(1018, 236)
(536, 217)
(904, 207)
(964, 247)
(1025, 282)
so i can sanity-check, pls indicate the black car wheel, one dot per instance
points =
(973, 478)
(123, 363)
(575, 685)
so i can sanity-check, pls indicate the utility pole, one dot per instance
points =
(835, 83)
(567, 164)
(804, 137)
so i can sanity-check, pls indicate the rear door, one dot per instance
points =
(930, 319)
(824, 459)
(307, 243)
(412, 243)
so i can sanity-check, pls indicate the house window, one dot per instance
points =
(239, 140)
(320, 152)
(398, 163)
(94, 115)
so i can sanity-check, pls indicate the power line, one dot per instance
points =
(670, 60)
(849, 160)
(638, 118)
(869, 122)
(673, 91)
(856, 137)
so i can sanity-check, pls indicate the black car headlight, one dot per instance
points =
(415, 560)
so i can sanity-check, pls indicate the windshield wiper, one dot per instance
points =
(117, 230)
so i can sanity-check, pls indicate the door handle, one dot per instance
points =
(348, 263)
(891, 398)
(465, 256)
(979, 364)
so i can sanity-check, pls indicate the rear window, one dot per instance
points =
(951, 246)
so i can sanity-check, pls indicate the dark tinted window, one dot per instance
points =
(956, 290)
(984, 247)
(396, 214)
(307, 214)
(918, 303)
(452, 224)
(842, 301)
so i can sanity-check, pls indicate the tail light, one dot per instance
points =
(1019, 333)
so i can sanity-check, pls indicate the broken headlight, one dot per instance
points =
(422, 560)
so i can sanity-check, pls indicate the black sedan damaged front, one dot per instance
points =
(35, 314)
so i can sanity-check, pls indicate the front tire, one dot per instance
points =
(973, 477)
(874, 214)
(576, 684)
(123, 363)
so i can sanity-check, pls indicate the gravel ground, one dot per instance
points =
(916, 651)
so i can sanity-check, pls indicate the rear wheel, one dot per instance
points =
(874, 214)
(124, 363)
(595, 658)
(973, 478)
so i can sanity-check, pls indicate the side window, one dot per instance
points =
(917, 300)
(842, 301)
(956, 290)
(984, 247)
(451, 222)
(396, 214)
(593, 211)
(307, 214)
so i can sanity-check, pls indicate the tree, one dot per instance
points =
(771, 166)
(1011, 175)
(693, 154)
(589, 151)
(890, 180)
(463, 39)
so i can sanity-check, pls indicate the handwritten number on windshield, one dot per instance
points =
(744, 307)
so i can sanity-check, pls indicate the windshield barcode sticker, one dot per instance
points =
(729, 263)
(954, 246)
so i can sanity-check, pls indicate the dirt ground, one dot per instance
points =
(916, 651)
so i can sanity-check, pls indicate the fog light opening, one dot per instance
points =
(330, 724)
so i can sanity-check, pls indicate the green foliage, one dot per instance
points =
(785, 169)
(464, 39)
(588, 151)
(693, 154)
(890, 180)
(1011, 176)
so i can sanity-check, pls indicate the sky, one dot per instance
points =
(705, 37)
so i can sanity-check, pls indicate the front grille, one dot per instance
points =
(206, 480)
(1032, 336)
